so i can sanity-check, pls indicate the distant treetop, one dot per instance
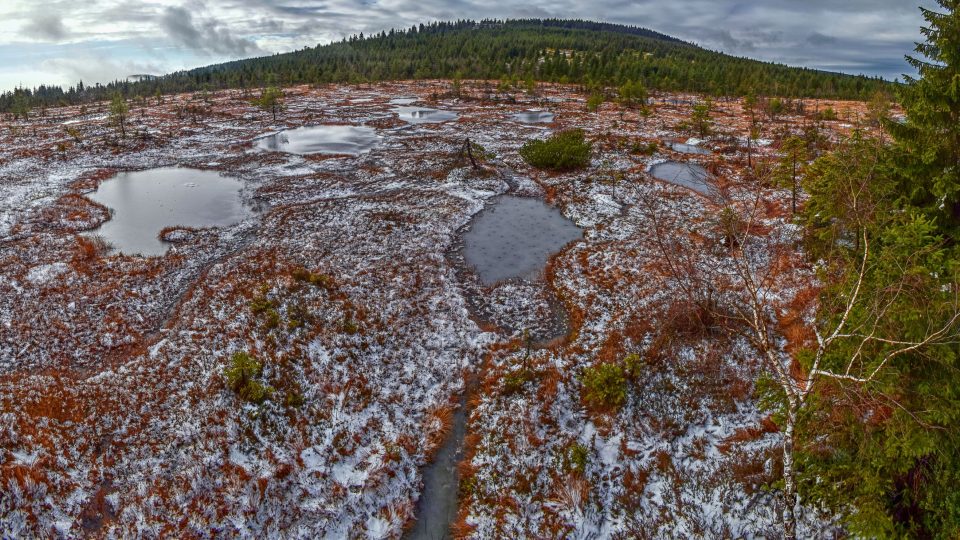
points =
(549, 50)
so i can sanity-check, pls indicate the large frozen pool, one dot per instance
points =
(515, 237)
(144, 202)
(350, 140)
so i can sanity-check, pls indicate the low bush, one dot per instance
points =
(242, 375)
(576, 458)
(350, 327)
(564, 151)
(633, 365)
(306, 276)
(644, 149)
(297, 316)
(294, 400)
(595, 101)
(605, 385)
(271, 319)
(514, 381)
(261, 304)
(827, 114)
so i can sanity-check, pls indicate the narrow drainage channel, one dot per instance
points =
(511, 256)
(439, 500)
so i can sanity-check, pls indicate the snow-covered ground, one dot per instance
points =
(115, 416)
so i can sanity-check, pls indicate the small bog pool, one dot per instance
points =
(534, 117)
(144, 202)
(349, 140)
(515, 237)
(690, 148)
(422, 115)
(688, 175)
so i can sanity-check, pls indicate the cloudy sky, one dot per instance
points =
(63, 41)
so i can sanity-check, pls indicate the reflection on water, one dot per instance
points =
(350, 140)
(515, 237)
(422, 115)
(688, 175)
(144, 202)
(534, 117)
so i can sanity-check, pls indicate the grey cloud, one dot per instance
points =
(47, 26)
(207, 36)
(817, 39)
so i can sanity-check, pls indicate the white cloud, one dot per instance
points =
(98, 68)
(854, 35)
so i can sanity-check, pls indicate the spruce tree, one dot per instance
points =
(887, 452)
(929, 139)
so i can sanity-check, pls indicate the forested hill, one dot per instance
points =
(573, 51)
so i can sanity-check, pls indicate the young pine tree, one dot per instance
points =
(271, 100)
(791, 165)
(118, 113)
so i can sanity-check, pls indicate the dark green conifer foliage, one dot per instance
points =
(551, 50)
(887, 453)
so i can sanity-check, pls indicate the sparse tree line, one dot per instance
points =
(578, 52)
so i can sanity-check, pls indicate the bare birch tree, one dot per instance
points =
(738, 284)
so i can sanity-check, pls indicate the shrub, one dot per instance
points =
(645, 149)
(564, 151)
(480, 153)
(827, 114)
(595, 101)
(294, 400)
(577, 456)
(297, 316)
(633, 365)
(271, 319)
(514, 381)
(317, 280)
(700, 118)
(605, 385)
(633, 93)
(74, 133)
(261, 304)
(349, 326)
(242, 376)
(271, 100)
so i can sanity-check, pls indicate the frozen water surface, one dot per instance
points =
(422, 115)
(690, 148)
(350, 140)
(144, 202)
(688, 175)
(534, 117)
(515, 237)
